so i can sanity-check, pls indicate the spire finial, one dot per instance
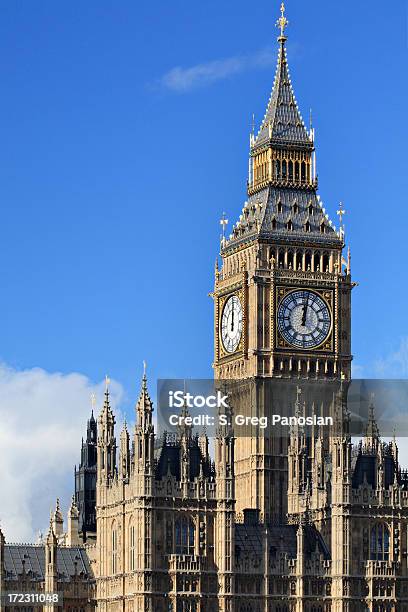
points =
(93, 401)
(223, 223)
(144, 368)
(282, 23)
(107, 383)
(341, 212)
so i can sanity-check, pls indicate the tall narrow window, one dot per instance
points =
(132, 544)
(184, 532)
(380, 543)
(114, 551)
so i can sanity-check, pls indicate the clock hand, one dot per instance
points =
(232, 321)
(304, 314)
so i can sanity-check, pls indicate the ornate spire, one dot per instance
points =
(372, 434)
(144, 407)
(282, 122)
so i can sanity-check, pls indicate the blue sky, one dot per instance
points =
(124, 136)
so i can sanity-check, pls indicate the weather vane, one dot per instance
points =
(223, 223)
(341, 212)
(282, 22)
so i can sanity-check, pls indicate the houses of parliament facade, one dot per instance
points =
(295, 523)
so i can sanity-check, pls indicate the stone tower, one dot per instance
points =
(85, 482)
(282, 295)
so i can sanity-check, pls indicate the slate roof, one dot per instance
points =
(268, 212)
(282, 111)
(249, 540)
(32, 557)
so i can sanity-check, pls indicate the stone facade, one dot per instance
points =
(290, 523)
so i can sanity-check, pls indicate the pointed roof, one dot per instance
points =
(283, 123)
(267, 212)
(372, 433)
(144, 406)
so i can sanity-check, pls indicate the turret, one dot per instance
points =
(51, 569)
(124, 454)
(57, 520)
(144, 434)
(106, 441)
(73, 524)
(85, 479)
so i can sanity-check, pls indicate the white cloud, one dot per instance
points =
(394, 365)
(181, 80)
(42, 420)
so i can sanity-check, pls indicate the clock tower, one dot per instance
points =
(283, 292)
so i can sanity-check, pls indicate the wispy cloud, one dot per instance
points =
(394, 365)
(42, 419)
(182, 80)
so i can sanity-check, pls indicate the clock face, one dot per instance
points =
(304, 319)
(231, 324)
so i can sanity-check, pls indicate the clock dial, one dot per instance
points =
(304, 319)
(231, 324)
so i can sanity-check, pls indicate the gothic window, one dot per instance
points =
(308, 261)
(303, 172)
(310, 209)
(184, 532)
(277, 169)
(284, 169)
(114, 550)
(307, 226)
(289, 225)
(326, 262)
(290, 254)
(291, 170)
(297, 170)
(295, 208)
(281, 258)
(132, 542)
(274, 223)
(380, 543)
(323, 227)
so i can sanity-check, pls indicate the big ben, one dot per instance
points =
(283, 292)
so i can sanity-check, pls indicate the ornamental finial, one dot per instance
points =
(282, 22)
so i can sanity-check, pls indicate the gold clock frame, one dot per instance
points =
(327, 295)
(222, 300)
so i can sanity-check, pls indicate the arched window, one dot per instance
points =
(132, 546)
(380, 543)
(303, 172)
(297, 170)
(290, 256)
(114, 550)
(291, 170)
(184, 536)
(289, 225)
(284, 169)
(307, 226)
(277, 169)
